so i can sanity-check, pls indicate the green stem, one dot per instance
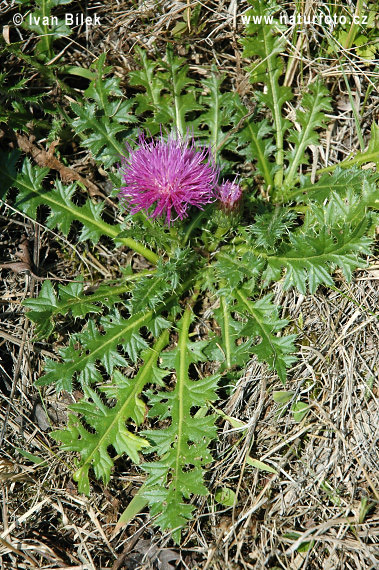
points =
(360, 158)
(195, 223)
(139, 248)
(227, 341)
(181, 380)
(349, 40)
(277, 117)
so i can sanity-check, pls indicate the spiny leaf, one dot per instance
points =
(182, 99)
(170, 94)
(269, 228)
(219, 110)
(154, 234)
(72, 298)
(148, 78)
(91, 346)
(100, 133)
(100, 123)
(337, 182)
(315, 102)
(183, 446)
(256, 142)
(63, 211)
(263, 321)
(264, 41)
(109, 424)
(48, 29)
(233, 269)
(8, 170)
(230, 332)
(342, 209)
(309, 259)
(102, 88)
(151, 290)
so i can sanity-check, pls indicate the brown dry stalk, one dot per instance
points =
(46, 158)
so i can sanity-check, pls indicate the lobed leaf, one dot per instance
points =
(183, 446)
(85, 350)
(218, 113)
(256, 142)
(109, 424)
(63, 212)
(263, 321)
(71, 298)
(314, 103)
(309, 260)
(263, 41)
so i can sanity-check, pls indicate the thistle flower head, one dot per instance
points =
(229, 194)
(164, 178)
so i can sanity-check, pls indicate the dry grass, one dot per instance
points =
(326, 486)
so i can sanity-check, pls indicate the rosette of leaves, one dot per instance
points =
(138, 351)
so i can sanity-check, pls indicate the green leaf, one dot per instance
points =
(373, 145)
(234, 355)
(100, 133)
(63, 212)
(304, 546)
(260, 465)
(255, 142)
(149, 291)
(136, 505)
(47, 28)
(299, 410)
(283, 396)
(219, 110)
(263, 40)
(336, 182)
(182, 99)
(151, 81)
(183, 446)
(8, 170)
(265, 323)
(109, 425)
(79, 358)
(33, 458)
(225, 496)
(72, 298)
(309, 259)
(169, 95)
(234, 269)
(78, 71)
(315, 102)
(101, 116)
(233, 421)
(269, 228)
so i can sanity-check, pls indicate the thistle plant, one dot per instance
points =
(212, 234)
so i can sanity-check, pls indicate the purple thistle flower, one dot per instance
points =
(229, 194)
(169, 176)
